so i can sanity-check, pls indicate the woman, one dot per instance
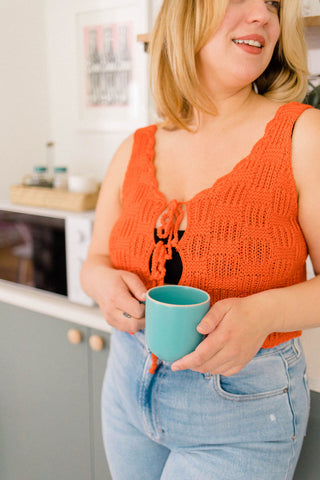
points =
(222, 195)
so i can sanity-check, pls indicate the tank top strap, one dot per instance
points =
(277, 141)
(287, 116)
(144, 140)
(140, 166)
(143, 147)
(293, 110)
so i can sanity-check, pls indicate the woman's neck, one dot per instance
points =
(230, 108)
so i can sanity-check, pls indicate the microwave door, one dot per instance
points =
(32, 251)
(16, 251)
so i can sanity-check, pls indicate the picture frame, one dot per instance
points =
(112, 66)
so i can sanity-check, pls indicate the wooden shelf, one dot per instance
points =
(312, 21)
(145, 39)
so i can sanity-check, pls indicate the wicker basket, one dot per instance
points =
(53, 198)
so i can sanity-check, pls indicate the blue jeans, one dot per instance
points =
(190, 426)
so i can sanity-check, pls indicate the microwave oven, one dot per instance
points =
(45, 249)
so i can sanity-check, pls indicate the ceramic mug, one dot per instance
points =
(172, 315)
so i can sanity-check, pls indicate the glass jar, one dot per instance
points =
(60, 179)
(40, 177)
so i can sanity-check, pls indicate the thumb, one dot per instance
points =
(212, 319)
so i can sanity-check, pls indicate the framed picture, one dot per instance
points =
(112, 67)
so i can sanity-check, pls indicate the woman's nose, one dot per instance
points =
(258, 11)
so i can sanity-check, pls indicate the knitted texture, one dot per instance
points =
(242, 234)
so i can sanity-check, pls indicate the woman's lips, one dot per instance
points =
(254, 37)
(250, 43)
(249, 48)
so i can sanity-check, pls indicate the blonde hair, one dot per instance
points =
(183, 27)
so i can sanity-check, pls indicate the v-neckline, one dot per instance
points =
(239, 164)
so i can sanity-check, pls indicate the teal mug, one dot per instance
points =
(172, 315)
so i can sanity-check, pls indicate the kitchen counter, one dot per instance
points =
(52, 304)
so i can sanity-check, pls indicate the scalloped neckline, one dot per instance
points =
(238, 165)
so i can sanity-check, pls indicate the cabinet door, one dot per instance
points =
(308, 467)
(44, 399)
(97, 366)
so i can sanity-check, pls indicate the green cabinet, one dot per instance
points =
(50, 390)
(49, 399)
(308, 467)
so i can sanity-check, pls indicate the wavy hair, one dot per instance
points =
(183, 27)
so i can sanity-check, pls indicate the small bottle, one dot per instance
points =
(50, 159)
(60, 179)
(40, 177)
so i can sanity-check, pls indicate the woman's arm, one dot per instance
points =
(237, 327)
(300, 304)
(115, 291)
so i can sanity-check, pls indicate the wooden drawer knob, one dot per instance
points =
(74, 336)
(96, 343)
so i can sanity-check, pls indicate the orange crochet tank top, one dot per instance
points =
(242, 234)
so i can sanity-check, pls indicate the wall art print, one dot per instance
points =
(112, 68)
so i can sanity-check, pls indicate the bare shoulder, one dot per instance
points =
(307, 129)
(306, 170)
(126, 146)
(308, 121)
(120, 160)
(306, 147)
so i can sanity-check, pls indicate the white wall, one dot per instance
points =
(38, 94)
(24, 103)
(82, 151)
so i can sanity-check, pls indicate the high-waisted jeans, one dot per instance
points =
(187, 425)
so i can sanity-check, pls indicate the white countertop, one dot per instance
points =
(56, 305)
(42, 211)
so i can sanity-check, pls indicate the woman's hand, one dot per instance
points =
(235, 328)
(119, 295)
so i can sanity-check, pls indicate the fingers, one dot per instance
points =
(217, 353)
(200, 358)
(122, 320)
(215, 315)
(130, 295)
(120, 296)
(220, 363)
(135, 285)
(126, 323)
(213, 343)
(233, 338)
(130, 305)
